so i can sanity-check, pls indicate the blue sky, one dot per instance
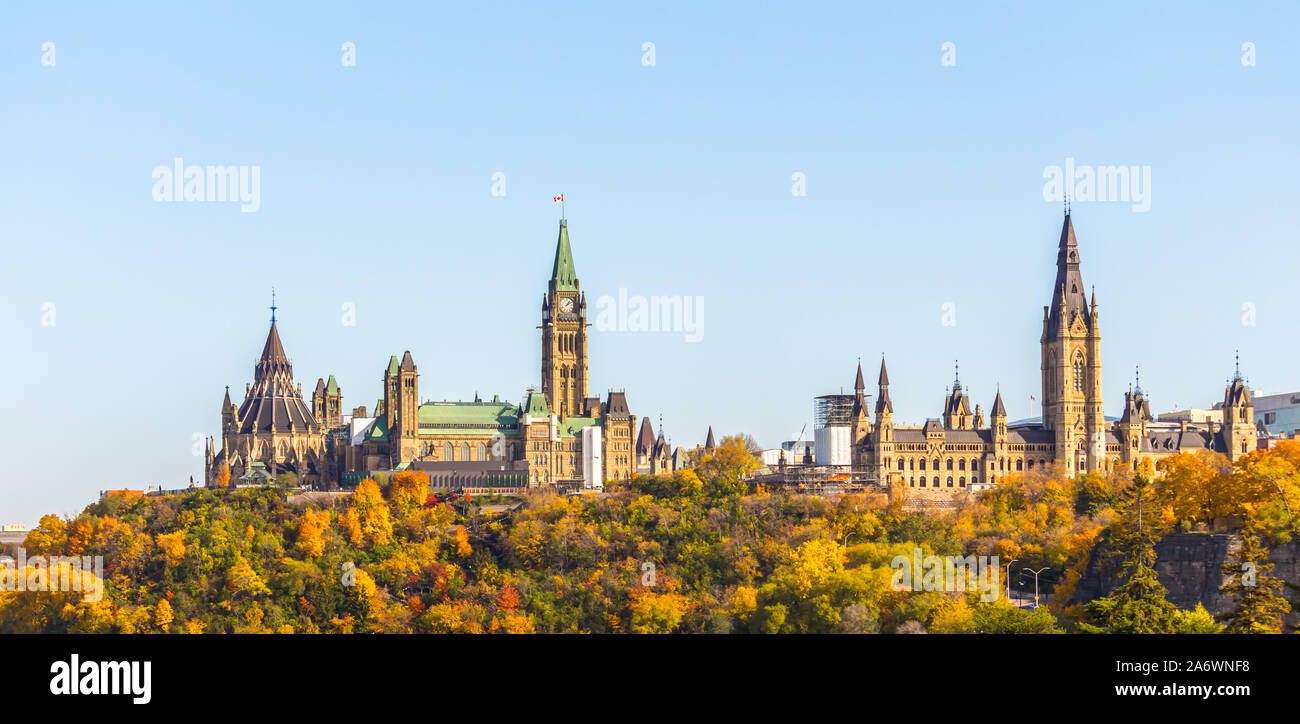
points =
(924, 187)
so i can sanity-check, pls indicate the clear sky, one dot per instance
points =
(924, 187)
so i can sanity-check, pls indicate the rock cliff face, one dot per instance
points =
(1190, 566)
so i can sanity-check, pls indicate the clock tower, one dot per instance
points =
(564, 335)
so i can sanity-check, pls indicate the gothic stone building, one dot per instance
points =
(559, 435)
(940, 461)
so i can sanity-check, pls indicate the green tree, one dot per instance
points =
(1138, 605)
(1259, 600)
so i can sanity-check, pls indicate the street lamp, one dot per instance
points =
(1040, 570)
(847, 536)
(1013, 560)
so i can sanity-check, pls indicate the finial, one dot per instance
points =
(1137, 379)
(956, 374)
(1236, 355)
(1067, 203)
(273, 307)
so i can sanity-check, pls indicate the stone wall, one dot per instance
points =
(1190, 566)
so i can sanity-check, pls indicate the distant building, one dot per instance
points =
(938, 462)
(1194, 415)
(1279, 414)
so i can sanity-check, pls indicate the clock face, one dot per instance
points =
(566, 305)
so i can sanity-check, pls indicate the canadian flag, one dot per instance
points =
(558, 198)
(1033, 398)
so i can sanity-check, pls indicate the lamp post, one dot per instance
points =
(847, 536)
(1013, 560)
(1040, 570)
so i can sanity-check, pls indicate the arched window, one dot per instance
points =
(922, 481)
(950, 481)
(911, 464)
(961, 483)
(923, 464)
(1020, 465)
(911, 482)
(1078, 374)
(950, 463)
(900, 463)
(961, 464)
(935, 480)
(464, 451)
(936, 463)
(447, 453)
(482, 452)
(973, 463)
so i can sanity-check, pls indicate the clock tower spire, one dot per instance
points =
(564, 334)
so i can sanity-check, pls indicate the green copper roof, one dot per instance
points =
(392, 365)
(572, 426)
(378, 430)
(332, 387)
(461, 416)
(563, 276)
(536, 405)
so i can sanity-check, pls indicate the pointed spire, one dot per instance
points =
(225, 404)
(408, 364)
(999, 409)
(563, 275)
(320, 387)
(858, 385)
(1068, 294)
(956, 382)
(393, 366)
(708, 441)
(273, 350)
(883, 403)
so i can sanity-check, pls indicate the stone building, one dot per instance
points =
(272, 432)
(941, 460)
(558, 436)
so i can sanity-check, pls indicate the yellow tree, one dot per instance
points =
(163, 616)
(372, 513)
(173, 547)
(49, 536)
(223, 476)
(311, 532)
(1199, 486)
(408, 492)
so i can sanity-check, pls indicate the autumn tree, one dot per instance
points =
(372, 513)
(311, 532)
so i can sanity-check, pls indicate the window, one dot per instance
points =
(923, 464)
(950, 463)
(1020, 464)
(935, 480)
(482, 452)
(961, 464)
(1270, 418)
(950, 481)
(900, 464)
(962, 482)
(936, 463)
(447, 454)
(464, 451)
(911, 482)
(1078, 374)
(922, 481)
